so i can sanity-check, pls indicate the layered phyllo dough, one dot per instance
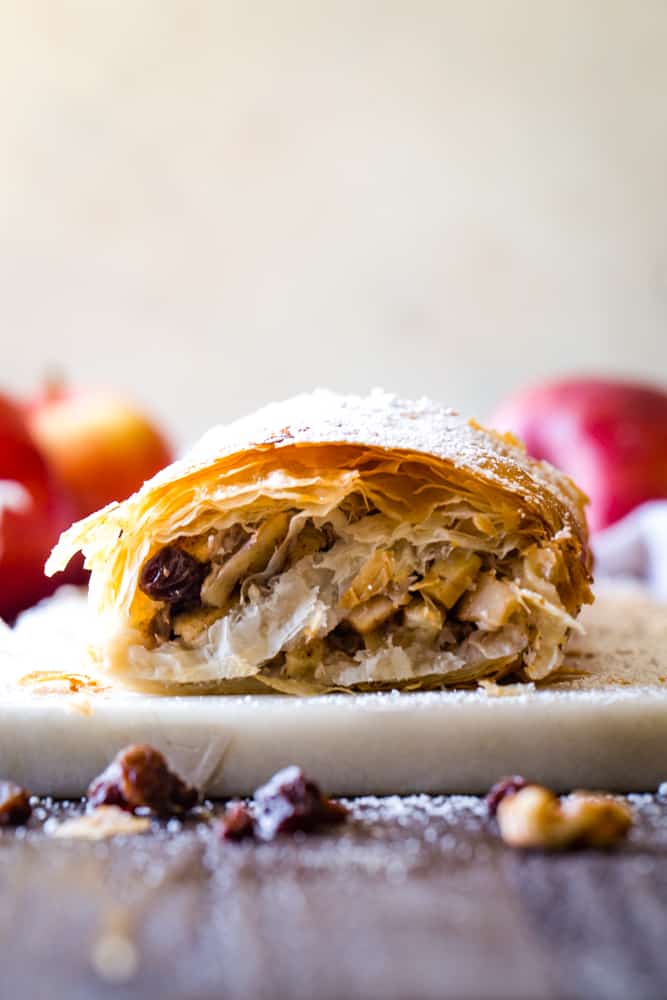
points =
(338, 543)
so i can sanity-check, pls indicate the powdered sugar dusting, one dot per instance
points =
(394, 835)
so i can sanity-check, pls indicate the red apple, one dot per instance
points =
(34, 509)
(101, 446)
(609, 435)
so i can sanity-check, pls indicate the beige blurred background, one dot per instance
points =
(213, 204)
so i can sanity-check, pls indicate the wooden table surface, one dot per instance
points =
(415, 898)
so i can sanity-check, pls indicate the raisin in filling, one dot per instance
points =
(173, 576)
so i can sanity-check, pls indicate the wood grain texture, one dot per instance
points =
(415, 897)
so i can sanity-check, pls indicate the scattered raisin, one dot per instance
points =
(289, 802)
(15, 808)
(173, 575)
(139, 777)
(286, 803)
(505, 786)
(237, 823)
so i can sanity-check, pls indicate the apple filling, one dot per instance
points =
(352, 597)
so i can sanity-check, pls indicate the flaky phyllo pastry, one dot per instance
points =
(335, 542)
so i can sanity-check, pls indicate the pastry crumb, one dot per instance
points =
(103, 822)
(495, 690)
(58, 682)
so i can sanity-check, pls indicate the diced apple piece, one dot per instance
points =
(189, 625)
(540, 660)
(490, 605)
(250, 558)
(365, 617)
(373, 577)
(424, 617)
(448, 578)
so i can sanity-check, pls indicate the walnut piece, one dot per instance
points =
(535, 817)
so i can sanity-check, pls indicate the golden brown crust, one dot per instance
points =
(385, 422)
